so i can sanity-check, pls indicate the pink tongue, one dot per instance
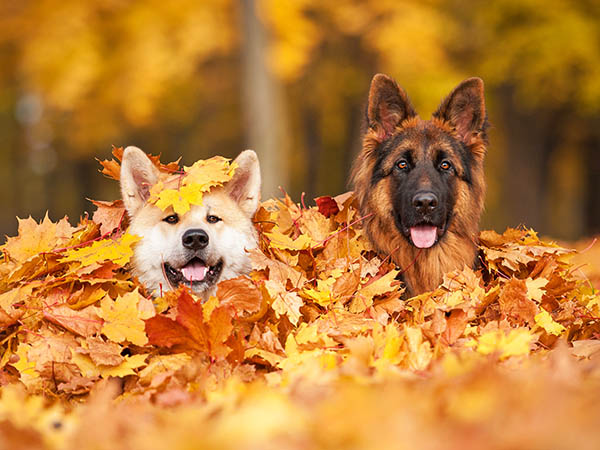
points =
(194, 271)
(423, 236)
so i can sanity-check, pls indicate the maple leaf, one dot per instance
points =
(382, 285)
(516, 343)
(119, 251)
(182, 191)
(89, 369)
(284, 303)
(514, 301)
(241, 294)
(212, 172)
(35, 238)
(284, 242)
(109, 215)
(327, 206)
(163, 364)
(83, 323)
(191, 330)
(545, 320)
(102, 353)
(179, 199)
(112, 168)
(124, 318)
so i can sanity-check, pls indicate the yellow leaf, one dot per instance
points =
(123, 319)
(452, 299)
(35, 238)
(545, 320)
(89, 369)
(208, 173)
(284, 242)
(163, 363)
(321, 295)
(516, 343)
(23, 365)
(192, 193)
(284, 302)
(393, 340)
(534, 288)
(118, 251)
(172, 198)
(364, 297)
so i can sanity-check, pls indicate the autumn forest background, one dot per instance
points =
(290, 79)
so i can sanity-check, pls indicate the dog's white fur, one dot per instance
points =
(229, 239)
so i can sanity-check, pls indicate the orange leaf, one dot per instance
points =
(190, 329)
(109, 215)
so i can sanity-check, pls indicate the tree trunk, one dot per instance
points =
(530, 140)
(592, 164)
(261, 103)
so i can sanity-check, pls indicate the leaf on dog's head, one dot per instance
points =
(112, 168)
(209, 173)
(178, 199)
(180, 192)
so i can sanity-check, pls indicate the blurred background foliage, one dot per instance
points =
(290, 79)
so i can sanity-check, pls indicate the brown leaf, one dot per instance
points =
(104, 353)
(455, 326)
(84, 322)
(240, 293)
(109, 215)
(515, 304)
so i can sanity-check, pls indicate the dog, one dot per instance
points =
(198, 249)
(420, 183)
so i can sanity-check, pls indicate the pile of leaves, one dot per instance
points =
(315, 348)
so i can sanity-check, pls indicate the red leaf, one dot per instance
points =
(327, 206)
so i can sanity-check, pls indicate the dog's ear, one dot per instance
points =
(244, 187)
(388, 106)
(465, 110)
(138, 175)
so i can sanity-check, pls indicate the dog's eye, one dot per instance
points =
(212, 219)
(402, 164)
(445, 165)
(172, 219)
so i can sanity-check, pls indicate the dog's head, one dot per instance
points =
(207, 244)
(426, 170)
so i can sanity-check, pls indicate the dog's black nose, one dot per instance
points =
(195, 239)
(425, 202)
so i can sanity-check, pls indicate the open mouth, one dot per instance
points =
(195, 274)
(425, 235)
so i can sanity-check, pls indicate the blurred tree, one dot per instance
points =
(291, 79)
(80, 76)
(540, 61)
(264, 119)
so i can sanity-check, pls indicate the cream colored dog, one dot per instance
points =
(207, 244)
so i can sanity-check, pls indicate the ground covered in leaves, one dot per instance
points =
(316, 348)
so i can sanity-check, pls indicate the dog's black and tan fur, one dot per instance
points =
(421, 182)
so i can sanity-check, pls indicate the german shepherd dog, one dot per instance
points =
(421, 182)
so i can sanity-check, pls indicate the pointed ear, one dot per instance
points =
(244, 187)
(465, 110)
(388, 106)
(138, 175)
